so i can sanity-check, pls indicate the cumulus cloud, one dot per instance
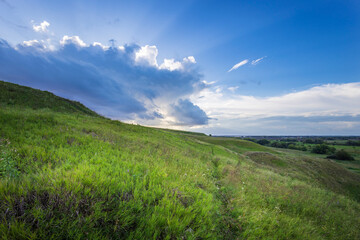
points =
(42, 27)
(113, 81)
(171, 64)
(147, 54)
(189, 59)
(236, 66)
(74, 40)
(33, 43)
(256, 61)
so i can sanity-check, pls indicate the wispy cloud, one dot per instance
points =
(254, 62)
(233, 89)
(236, 66)
(42, 27)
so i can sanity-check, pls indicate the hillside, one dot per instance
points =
(67, 173)
(20, 96)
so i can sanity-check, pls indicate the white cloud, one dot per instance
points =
(171, 64)
(190, 59)
(236, 66)
(97, 44)
(31, 43)
(324, 100)
(74, 39)
(324, 109)
(42, 27)
(254, 62)
(38, 44)
(147, 54)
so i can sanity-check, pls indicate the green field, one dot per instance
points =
(67, 173)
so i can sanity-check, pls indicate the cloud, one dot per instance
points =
(233, 89)
(74, 40)
(188, 114)
(172, 65)
(317, 108)
(102, 46)
(42, 27)
(147, 54)
(33, 43)
(189, 59)
(255, 62)
(236, 66)
(113, 81)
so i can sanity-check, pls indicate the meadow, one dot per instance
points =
(68, 173)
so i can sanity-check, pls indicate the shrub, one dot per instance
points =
(341, 155)
(263, 142)
(353, 143)
(323, 149)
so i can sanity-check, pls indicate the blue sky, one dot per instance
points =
(298, 61)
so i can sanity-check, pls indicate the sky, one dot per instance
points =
(219, 67)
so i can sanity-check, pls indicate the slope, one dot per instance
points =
(66, 175)
(21, 96)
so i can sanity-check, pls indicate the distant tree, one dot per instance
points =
(292, 146)
(313, 141)
(263, 142)
(303, 148)
(353, 143)
(323, 149)
(341, 155)
(279, 144)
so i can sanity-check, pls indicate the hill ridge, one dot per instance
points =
(14, 94)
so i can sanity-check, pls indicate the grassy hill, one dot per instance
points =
(67, 173)
(20, 96)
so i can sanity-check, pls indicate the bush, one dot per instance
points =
(341, 155)
(263, 142)
(323, 149)
(352, 143)
(313, 141)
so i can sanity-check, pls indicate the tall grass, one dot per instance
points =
(73, 175)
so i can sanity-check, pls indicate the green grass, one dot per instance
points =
(67, 173)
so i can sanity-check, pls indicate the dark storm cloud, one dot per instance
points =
(189, 114)
(107, 80)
